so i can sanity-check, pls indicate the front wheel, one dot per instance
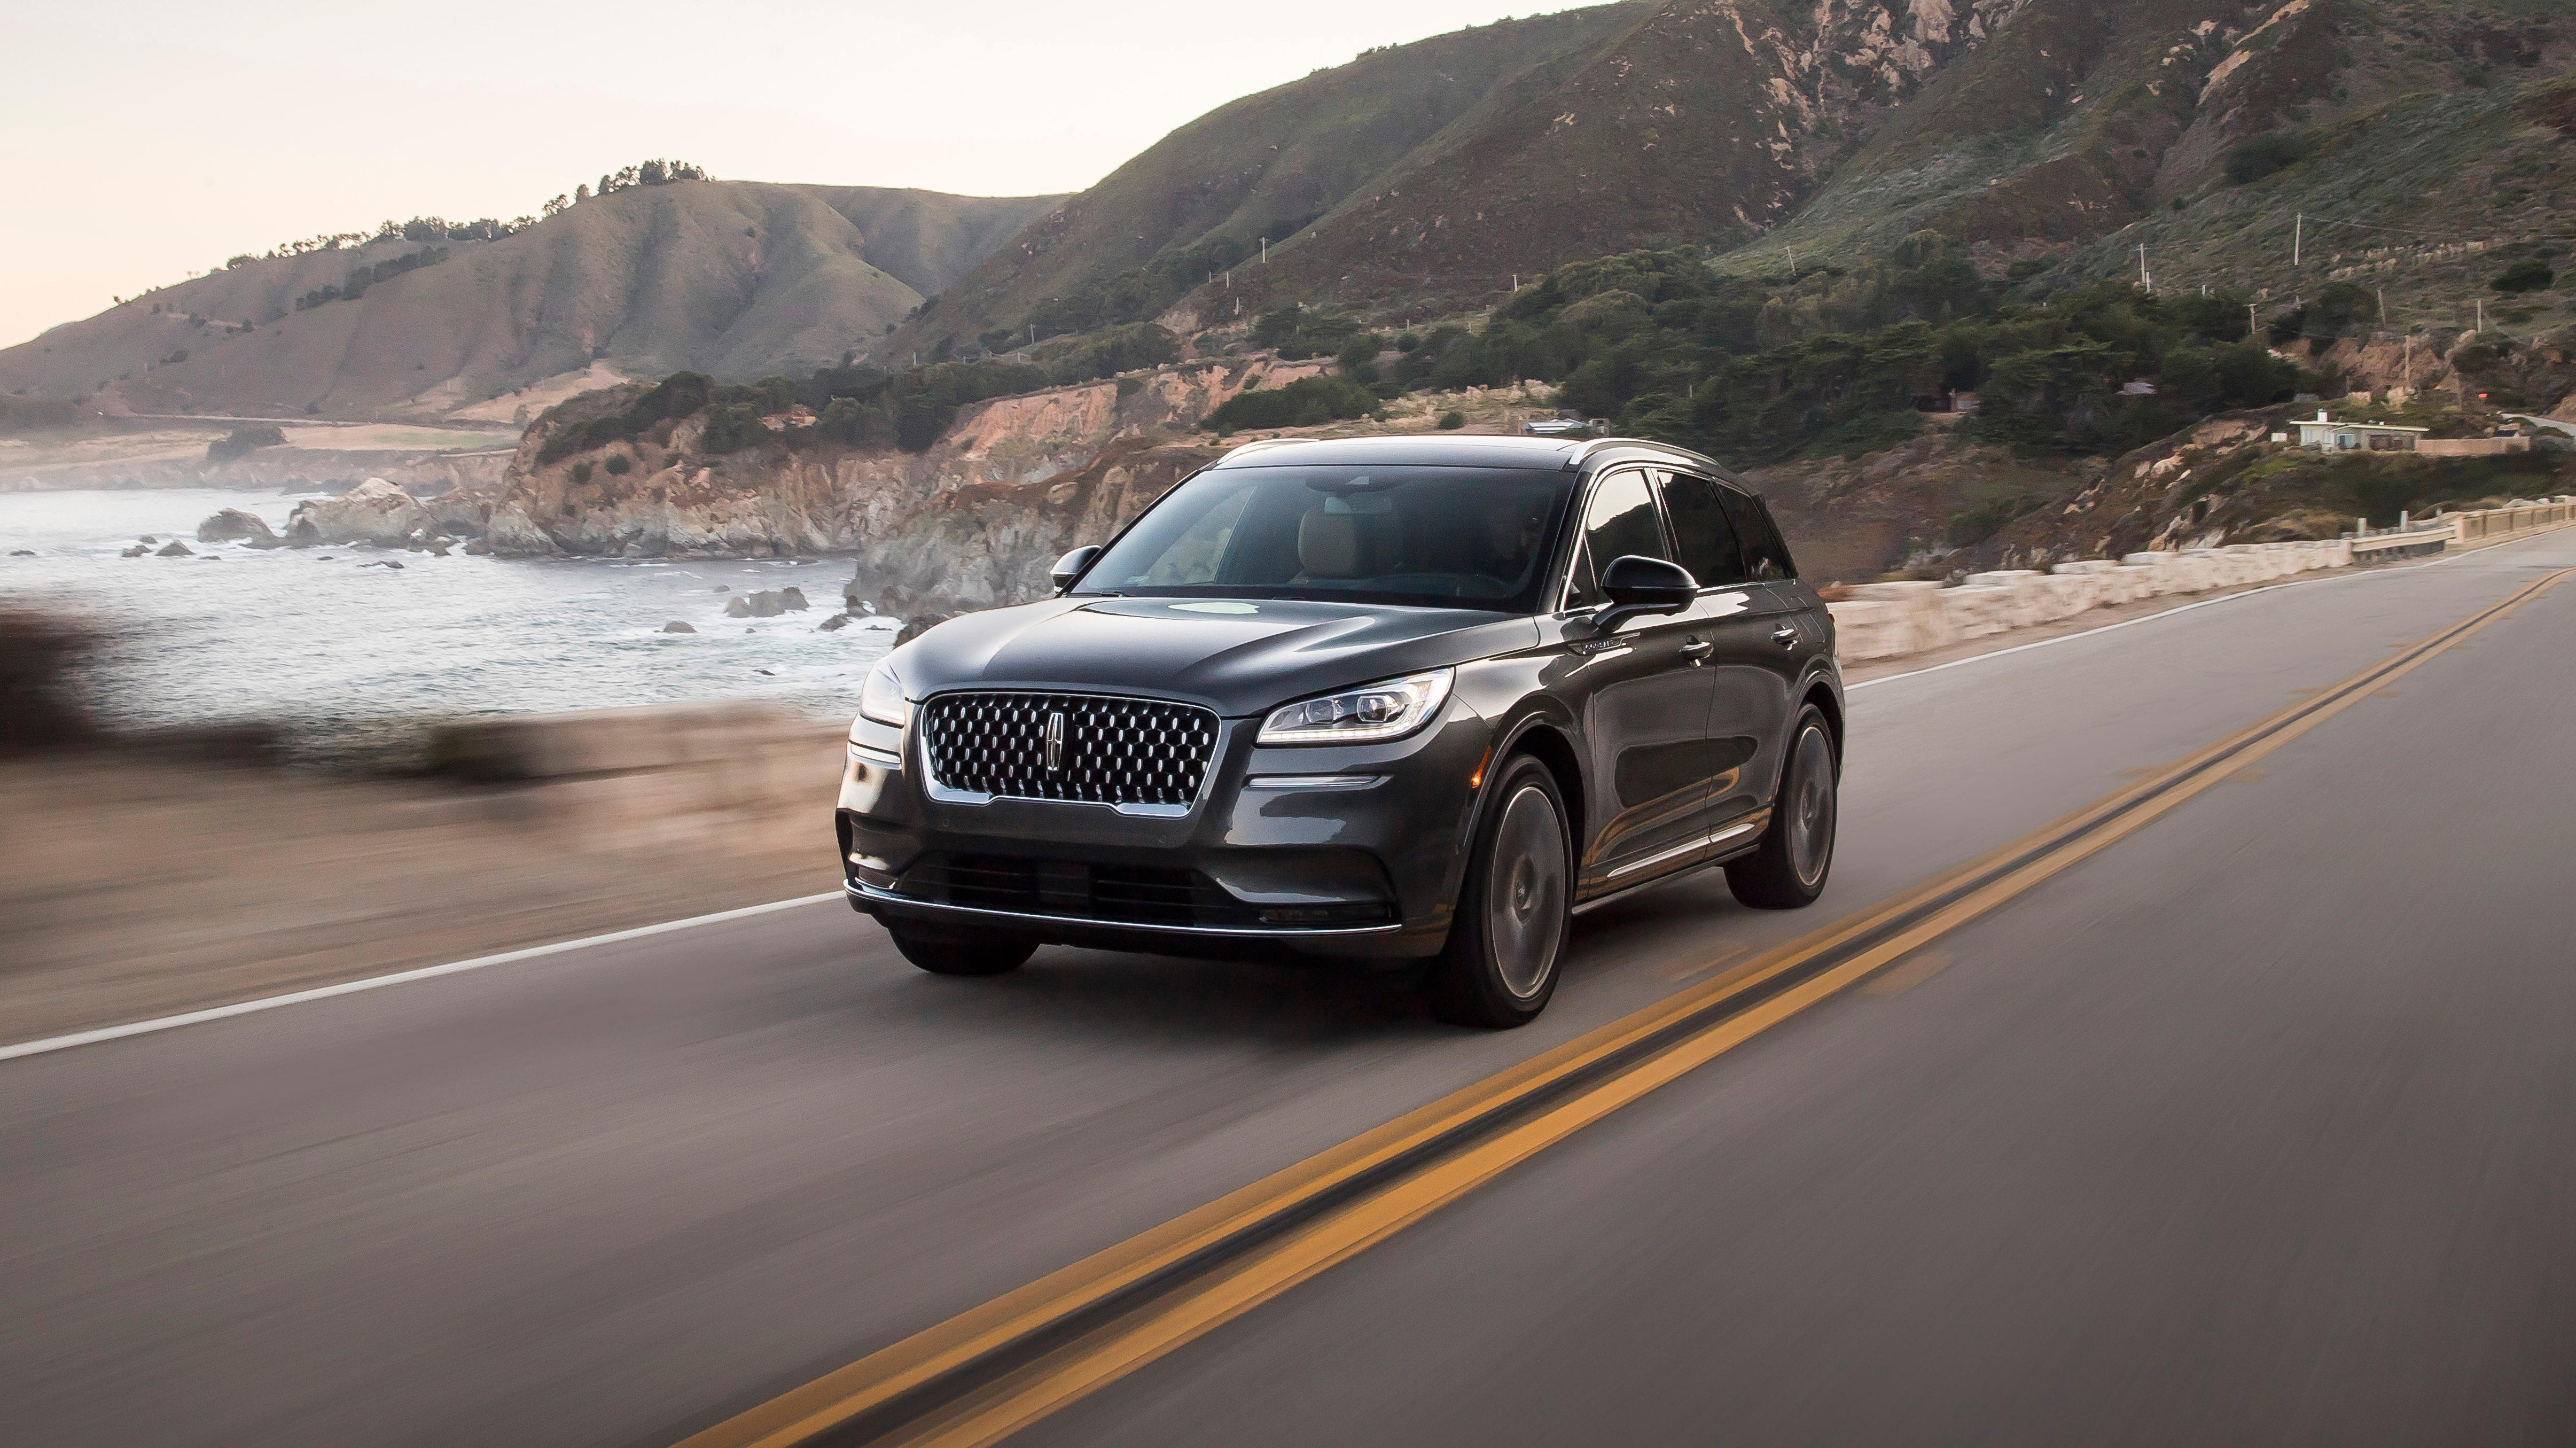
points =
(1787, 870)
(1515, 910)
(962, 952)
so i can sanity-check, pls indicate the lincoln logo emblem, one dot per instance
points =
(1055, 743)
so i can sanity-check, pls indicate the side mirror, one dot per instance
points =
(1639, 585)
(1069, 568)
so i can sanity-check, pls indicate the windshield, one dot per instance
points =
(1437, 537)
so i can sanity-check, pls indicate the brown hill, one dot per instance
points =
(1260, 166)
(737, 279)
(2028, 128)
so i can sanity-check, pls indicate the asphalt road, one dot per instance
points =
(2256, 1127)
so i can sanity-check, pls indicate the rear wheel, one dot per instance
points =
(1787, 870)
(1513, 914)
(962, 952)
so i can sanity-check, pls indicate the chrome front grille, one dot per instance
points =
(1090, 748)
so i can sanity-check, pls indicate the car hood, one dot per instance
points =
(1239, 656)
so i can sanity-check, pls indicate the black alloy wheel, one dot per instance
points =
(1515, 910)
(1787, 870)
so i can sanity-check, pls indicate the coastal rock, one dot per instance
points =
(137, 551)
(679, 626)
(765, 604)
(919, 624)
(174, 549)
(991, 545)
(22, 552)
(234, 525)
(374, 512)
(834, 624)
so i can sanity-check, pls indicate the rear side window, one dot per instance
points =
(1620, 521)
(1766, 558)
(1702, 536)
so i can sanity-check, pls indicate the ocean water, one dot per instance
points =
(333, 649)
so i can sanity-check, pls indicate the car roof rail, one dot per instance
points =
(1255, 446)
(1585, 453)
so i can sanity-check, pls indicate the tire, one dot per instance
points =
(1515, 910)
(962, 952)
(1787, 870)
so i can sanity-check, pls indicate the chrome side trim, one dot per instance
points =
(1718, 841)
(1684, 848)
(1314, 781)
(1648, 863)
(1267, 932)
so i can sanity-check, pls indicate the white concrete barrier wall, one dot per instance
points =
(1887, 620)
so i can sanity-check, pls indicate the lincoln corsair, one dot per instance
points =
(1390, 697)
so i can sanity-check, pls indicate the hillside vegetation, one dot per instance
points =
(2413, 135)
(738, 279)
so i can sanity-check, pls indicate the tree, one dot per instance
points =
(580, 194)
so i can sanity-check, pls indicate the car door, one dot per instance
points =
(1644, 697)
(1736, 617)
(1757, 706)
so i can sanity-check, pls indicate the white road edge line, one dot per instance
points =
(377, 982)
(2338, 576)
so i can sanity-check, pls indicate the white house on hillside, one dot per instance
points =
(2327, 435)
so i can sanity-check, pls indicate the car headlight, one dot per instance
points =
(1363, 715)
(881, 698)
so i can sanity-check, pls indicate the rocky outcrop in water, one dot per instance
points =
(374, 512)
(233, 525)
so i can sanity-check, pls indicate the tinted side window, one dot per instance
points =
(1701, 533)
(1620, 520)
(1765, 556)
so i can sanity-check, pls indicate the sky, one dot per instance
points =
(145, 140)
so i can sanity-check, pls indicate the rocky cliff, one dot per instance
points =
(988, 544)
(662, 494)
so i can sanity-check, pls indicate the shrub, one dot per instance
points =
(242, 441)
(2256, 157)
(2530, 274)
(619, 465)
(581, 471)
(1306, 402)
(1452, 420)
(1977, 522)
(41, 702)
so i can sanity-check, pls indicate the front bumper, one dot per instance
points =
(1344, 850)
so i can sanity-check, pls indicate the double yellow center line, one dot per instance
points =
(985, 1373)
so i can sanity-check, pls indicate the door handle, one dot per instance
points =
(1698, 649)
(1786, 638)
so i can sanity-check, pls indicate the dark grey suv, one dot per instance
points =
(1387, 697)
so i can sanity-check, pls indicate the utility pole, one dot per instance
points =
(2142, 265)
(2383, 305)
(2249, 322)
(2298, 232)
(1265, 251)
(2482, 316)
(1793, 262)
